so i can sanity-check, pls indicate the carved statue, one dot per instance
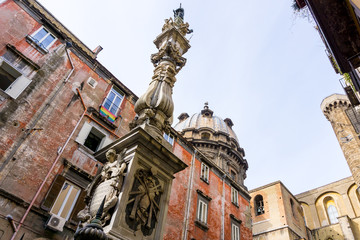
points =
(108, 183)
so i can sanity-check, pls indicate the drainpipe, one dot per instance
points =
(33, 124)
(223, 208)
(189, 193)
(59, 153)
(47, 176)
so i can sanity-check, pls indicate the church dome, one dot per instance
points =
(215, 138)
(206, 121)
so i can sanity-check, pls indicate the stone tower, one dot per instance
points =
(344, 120)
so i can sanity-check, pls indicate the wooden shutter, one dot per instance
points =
(18, 86)
(80, 205)
(53, 192)
(83, 134)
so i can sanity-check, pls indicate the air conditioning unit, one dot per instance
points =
(56, 223)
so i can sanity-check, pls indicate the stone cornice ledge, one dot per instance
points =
(203, 195)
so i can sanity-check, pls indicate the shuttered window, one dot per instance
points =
(234, 196)
(235, 232)
(202, 211)
(64, 199)
(12, 82)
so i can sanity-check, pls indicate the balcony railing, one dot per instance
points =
(348, 88)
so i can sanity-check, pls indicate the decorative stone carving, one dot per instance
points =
(108, 183)
(155, 107)
(143, 203)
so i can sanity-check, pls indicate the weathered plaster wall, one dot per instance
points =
(279, 220)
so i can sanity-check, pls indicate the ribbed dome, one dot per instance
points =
(206, 120)
(216, 140)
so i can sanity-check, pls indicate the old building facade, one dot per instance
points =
(332, 211)
(59, 106)
(329, 212)
(276, 213)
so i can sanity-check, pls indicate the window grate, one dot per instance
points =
(354, 118)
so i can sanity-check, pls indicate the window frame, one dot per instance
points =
(20, 83)
(169, 138)
(235, 231)
(118, 93)
(64, 202)
(333, 215)
(202, 205)
(234, 196)
(204, 172)
(38, 42)
(84, 133)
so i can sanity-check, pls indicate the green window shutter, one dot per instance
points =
(53, 192)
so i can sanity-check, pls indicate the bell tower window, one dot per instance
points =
(259, 205)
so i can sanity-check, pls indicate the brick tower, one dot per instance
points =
(345, 121)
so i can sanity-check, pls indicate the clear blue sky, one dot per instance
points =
(253, 61)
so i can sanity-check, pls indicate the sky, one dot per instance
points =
(255, 62)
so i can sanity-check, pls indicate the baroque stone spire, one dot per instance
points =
(155, 107)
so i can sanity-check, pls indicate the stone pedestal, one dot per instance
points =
(141, 209)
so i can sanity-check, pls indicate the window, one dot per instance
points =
(43, 38)
(12, 82)
(92, 82)
(202, 211)
(234, 196)
(235, 232)
(92, 138)
(354, 118)
(111, 104)
(113, 100)
(333, 214)
(259, 205)
(169, 138)
(65, 201)
(204, 172)
(331, 210)
(203, 202)
(233, 175)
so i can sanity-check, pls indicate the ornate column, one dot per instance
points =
(139, 168)
(155, 107)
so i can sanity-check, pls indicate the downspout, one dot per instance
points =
(33, 124)
(223, 208)
(189, 193)
(59, 153)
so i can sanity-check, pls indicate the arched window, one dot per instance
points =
(259, 205)
(331, 210)
(333, 214)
